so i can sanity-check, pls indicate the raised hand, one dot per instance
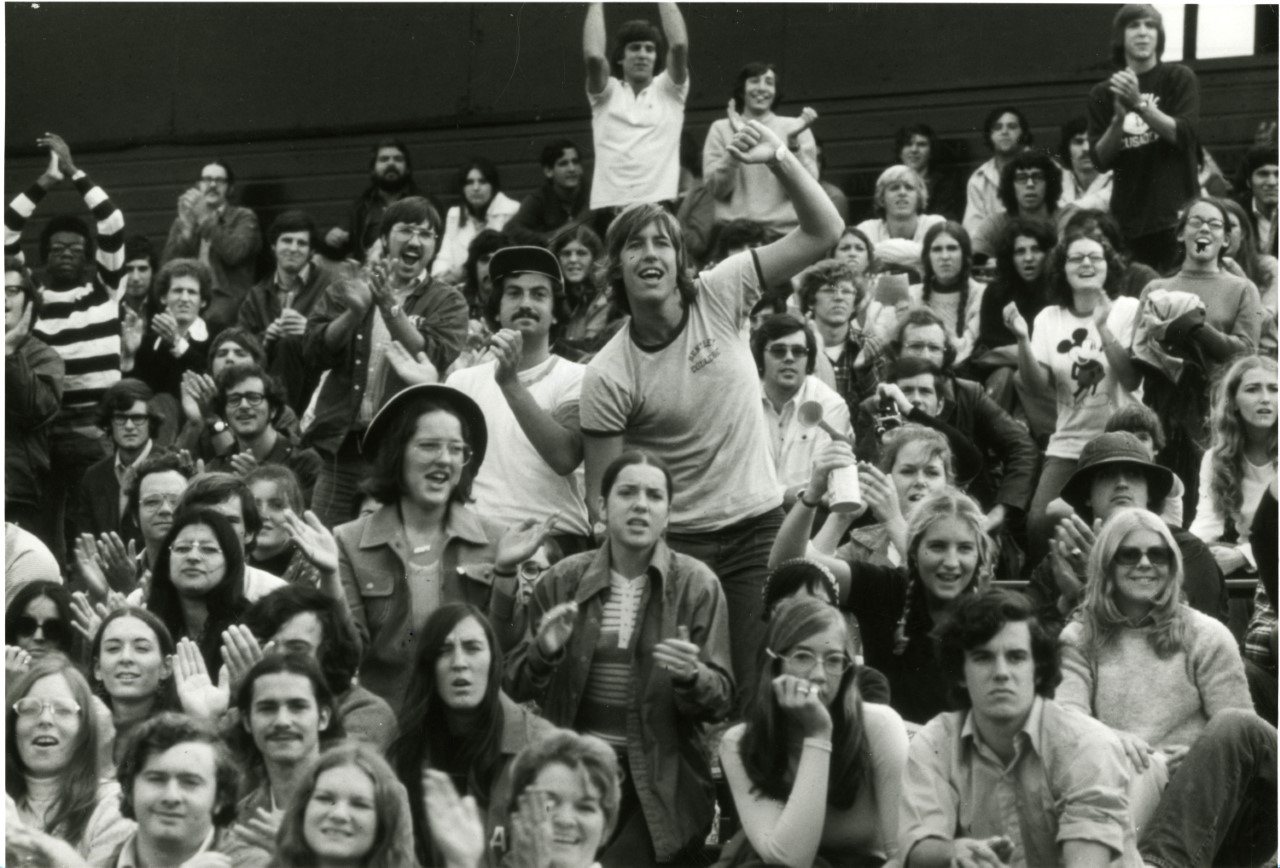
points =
(556, 627)
(199, 695)
(131, 331)
(166, 327)
(313, 539)
(85, 616)
(1101, 309)
(356, 294)
(531, 832)
(89, 566)
(377, 275)
(789, 128)
(1124, 86)
(16, 661)
(833, 455)
(894, 391)
(508, 348)
(190, 208)
(240, 651)
(260, 828)
(456, 828)
(879, 493)
(754, 143)
(13, 337)
(337, 237)
(118, 561)
(31, 848)
(58, 147)
(521, 541)
(413, 370)
(735, 117)
(801, 700)
(678, 656)
(243, 463)
(1016, 323)
(52, 174)
(291, 323)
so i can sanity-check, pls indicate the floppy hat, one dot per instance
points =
(1115, 447)
(526, 259)
(459, 402)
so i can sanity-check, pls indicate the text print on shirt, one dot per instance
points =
(704, 352)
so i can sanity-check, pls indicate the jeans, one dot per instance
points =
(336, 498)
(1220, 805)
(739, 556)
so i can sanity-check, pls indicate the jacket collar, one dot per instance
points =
(598, 575)
(385, 526)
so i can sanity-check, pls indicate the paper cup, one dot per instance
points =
(844, 489)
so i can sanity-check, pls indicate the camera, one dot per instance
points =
(887, 416)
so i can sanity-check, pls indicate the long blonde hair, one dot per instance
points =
(1100, 613)
(1227, 459)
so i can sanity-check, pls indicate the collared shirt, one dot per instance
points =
(1068, 781)
(860, 367)
(1266, 232)
(793, 445)
(129, 858)
(123, 472)
(379, 341)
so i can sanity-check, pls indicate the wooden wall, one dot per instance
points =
(293, 94)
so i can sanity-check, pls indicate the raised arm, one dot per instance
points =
(594, 46)
(677, 42)
(1037, 376)
(109, 221)
(820, 223)
(792, 540)
(598, 452)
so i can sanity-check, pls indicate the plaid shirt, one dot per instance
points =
(1257, 636)
(860, 367)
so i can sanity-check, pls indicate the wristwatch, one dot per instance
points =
(393, 311)
(218, 426)
(782, 151)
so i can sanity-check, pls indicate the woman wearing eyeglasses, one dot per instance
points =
(1167, 679)
(1080, 354)
(815, 773)
(425, 546)
(52, 741)
(630, 643)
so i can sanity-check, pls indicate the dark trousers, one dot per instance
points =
(739, 556)
(1160, 249)
(336, 498)
(70, 455)
(631, 845)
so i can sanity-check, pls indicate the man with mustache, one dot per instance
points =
(1115, 471)
(530, 401)
(636, 118)
(276, 309)
(391, 179)
(286, 711)
(1143, 125)
(223, 236)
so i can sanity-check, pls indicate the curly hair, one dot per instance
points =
(164, 732)
(393, 840)
(1022, 227)
(768, 730)
(1099, 612)
(184, 268)
(1033, 158)
(1059, 289)
(1226, 454)
(824, 273)
(77, 783)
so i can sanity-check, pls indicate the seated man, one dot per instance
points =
(784, 350)
(1260, 177)
(560, 201)
(230, 496)
(153, 496)
(1016, 779)
(857, 359)
(1083, 185)
(126, 415)
(1114, 471)
(1007, 133)
(276, 309)
(310, 622)
(252, 401)
(179, 782)
(1030, 187)
(390, 180)
(223, 236)
(965, 406)
(530, 401)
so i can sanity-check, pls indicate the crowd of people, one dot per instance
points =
(659, 517)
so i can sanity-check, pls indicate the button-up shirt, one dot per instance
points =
(1067, 781)
(792, 445)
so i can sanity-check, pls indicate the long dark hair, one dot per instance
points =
(490, 174)
(167, 695)
(225, 602)
(385, 480)
(61, 599)
(1058, 290)
(768, 729)
(78, 782)
(425, 738)
(930, 281)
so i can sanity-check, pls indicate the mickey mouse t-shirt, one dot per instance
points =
(1087, 392)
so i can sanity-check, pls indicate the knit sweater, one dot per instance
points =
(1167, 701)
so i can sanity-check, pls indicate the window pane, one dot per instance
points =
(1174, 14)
(1225, 31)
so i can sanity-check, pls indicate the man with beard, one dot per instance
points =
(79, 318)
(33, 374)
(1143, 125)
(223, 236)
(391, 174)
(530, 401)
(277, 308)
(251, 400)
(560, 201)
(126, 416)
(286, 710)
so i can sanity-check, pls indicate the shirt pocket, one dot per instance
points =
(377, 590)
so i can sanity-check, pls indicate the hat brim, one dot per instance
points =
(461, 403)
(1076, 491)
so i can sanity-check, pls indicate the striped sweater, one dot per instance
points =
(81, 323)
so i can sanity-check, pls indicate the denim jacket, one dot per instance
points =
(665, 750)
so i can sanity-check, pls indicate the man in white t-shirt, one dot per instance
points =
(636, 119)
(530, 401)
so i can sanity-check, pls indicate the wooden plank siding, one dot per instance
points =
(322, 174)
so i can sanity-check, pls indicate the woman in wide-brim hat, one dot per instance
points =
(424, 546)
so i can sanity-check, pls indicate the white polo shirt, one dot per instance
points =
(637, 141)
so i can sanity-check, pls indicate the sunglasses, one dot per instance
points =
(783, 351)
(1131, 556)
(54, 631)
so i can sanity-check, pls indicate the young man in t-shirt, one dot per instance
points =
(1143, 125)
(636, 119)
(530, 400)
